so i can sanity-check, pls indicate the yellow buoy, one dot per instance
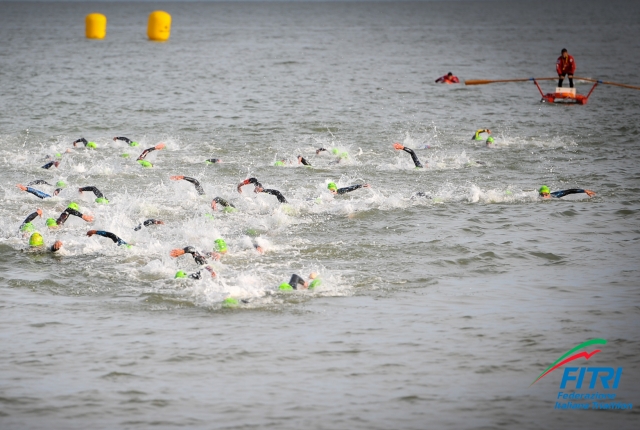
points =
(96, 26)
(159, 26)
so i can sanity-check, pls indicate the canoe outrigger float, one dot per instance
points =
(561, 95)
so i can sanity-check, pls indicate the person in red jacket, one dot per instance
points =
(565, 65)
(449, 78)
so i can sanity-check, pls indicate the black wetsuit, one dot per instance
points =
(295, 281)
(223, 202)
(563, 193)
(319, 150)
(64, 215)
(145, 153)
(111, 236)
(303, 161)
(37, 193)
(38, 182)
(200, 259)
(348, 189)
(147, 223)
(413, 156)
(125, 139)
(420, 194)
(213, 160)
(29, 218)
(81, 140)
(50, 164)
(196, 183)
(276, 193)
(95, 191)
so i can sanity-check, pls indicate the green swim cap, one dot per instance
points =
(279, 163)
(58, 155)
(145, 163)
(133, 144)
(36, 240)
(221, 245)
(285, 286)
(315, 283)
(543, 189)
(92, 145)
(344, 155)
(51, 222)
(102, 200)
(124, 155)
(334, 151)
(209, 216)
(490, 139)
(27, 227)
(61, 184)
(229, 209)
(180, 274)
(229, 303)
(74, 205)
(332, 186)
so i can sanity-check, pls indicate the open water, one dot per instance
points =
(433, 312)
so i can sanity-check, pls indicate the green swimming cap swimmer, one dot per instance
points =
(229, 302)
(344, 155)
(285, 286)
(102, 200)
(74, 205)
(315, 283)
(27, 227)
(221, 245)
(124, 155)
(145, 163)
(92, 145)
(180, 274)
(490, 139)
(334, 151)
(332, 186)
(544, 189)
(279, 163)
(58, 155)
(36, 240)
(51, 222)
(229, 209)
(133, 144)
(61, 184)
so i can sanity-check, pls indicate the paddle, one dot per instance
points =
(608, 83)
(487, 81)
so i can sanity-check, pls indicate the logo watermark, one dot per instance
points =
(586, 378)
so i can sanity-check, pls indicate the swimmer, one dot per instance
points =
(414, 157)
(545, 193)
(36, 243)
(196, 275)
(147, 223)
(37, 193)
(281, 162)
(59, 184)
(335, 190)
(85, 143)
(478, 132)
(222, 202)
(192, 180)
(489, 142)
(147, 151)
(293, 283)
(449, 78)
(200, 257)
(301, 160)
(100, 198)
(26, 225)
(213, 161)
(51, 164)
(108, 234)
(126, 140)
(335, 151)
(421, 195)
(71, 210)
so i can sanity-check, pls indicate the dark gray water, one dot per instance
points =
(433, 312)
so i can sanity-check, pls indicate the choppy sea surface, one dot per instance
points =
(435, 310)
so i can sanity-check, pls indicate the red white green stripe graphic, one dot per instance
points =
(564, 360)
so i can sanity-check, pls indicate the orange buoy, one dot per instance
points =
(159, 26)
(95, 26)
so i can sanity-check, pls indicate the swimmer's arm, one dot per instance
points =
(144, 153)
(95, 191)
(276, 193)
(32, 216)
(563, 193)
(79, 214)
(301, 160)
(38, 182)
(33, 191)
(56, 246)
(246, 182)
(125, 139)
(319, 150)
(297, 280)
(62, 218)
(108, 234)
(414, 157)
(81, 140)
(352, 188)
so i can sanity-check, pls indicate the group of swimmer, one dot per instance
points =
(36, 240)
